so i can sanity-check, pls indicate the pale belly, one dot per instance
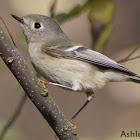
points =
(79, 75)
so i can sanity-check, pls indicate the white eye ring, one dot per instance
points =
(37, 26)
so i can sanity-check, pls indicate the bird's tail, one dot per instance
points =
(135, 79)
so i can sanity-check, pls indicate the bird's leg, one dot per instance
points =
(59, 85)
(90, 97)
(44, 83)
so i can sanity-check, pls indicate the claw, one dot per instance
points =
(73, 125)
(44, 85)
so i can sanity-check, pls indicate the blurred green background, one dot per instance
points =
(116, 106)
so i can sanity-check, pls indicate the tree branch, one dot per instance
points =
(34, 89)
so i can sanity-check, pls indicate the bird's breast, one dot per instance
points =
(68, 72)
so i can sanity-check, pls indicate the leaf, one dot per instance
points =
(103, 38)
(102, 10)
(100, 15)
(76, 10)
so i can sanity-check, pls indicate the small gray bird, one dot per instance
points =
(66, 63)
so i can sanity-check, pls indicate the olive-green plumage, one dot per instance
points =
(61, 60)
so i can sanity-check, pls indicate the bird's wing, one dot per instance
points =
(84, 54)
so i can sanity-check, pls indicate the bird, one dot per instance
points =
(66, 63)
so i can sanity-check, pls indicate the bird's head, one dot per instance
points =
(38, 28)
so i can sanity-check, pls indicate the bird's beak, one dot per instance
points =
(18, 19)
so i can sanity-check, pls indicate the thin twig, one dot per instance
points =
(13, 117)
(8, 31)
(127, 58)
(52, 9)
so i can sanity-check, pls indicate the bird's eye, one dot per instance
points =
(37, 25)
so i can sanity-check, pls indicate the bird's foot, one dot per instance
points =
(44, 83)
(73, 125)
